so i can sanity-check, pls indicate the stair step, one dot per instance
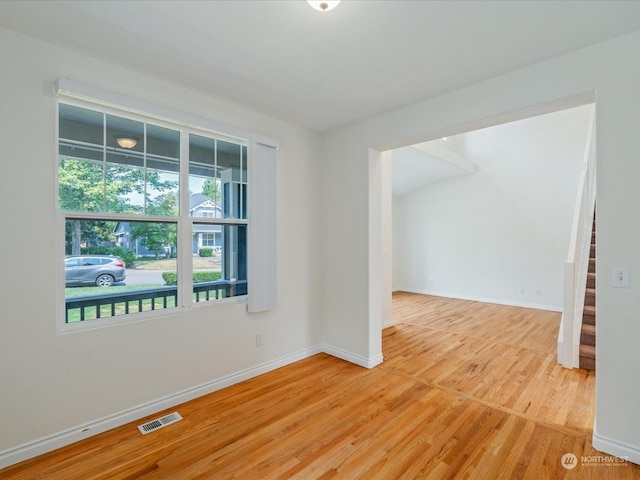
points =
(587, 363)
(592, 265)
(588, 335)
(588, 357)
(591, 280)
(592, 252)
(590, 296)
(589, 315)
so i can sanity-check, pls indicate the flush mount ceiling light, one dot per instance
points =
(323, 6)
(127, 142)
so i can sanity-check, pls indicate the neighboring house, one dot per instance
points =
(204, 236)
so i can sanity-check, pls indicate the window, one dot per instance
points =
(208, 240)
(130, 194)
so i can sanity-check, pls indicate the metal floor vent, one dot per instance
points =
(159, 423)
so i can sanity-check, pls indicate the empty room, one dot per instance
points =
(199, 255)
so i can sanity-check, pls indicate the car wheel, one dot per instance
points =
(104, 280)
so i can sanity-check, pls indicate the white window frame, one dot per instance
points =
(86, 96)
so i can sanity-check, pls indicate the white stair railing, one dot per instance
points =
(577, 264)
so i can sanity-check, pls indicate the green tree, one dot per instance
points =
(157, 236)
(87, 186)
(154, 236)
(211, 188)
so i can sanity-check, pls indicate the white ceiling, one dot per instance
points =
(322, 70)
(425, 164)
(422, 164)
(413, 169)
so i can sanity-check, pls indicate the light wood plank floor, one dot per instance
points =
(467, 390)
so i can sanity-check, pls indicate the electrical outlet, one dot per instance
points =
(538, 293)
(621, 277)
(522, 291)
(258, 339)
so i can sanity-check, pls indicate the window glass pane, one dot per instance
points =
(219, 261)
(204, 181)
(135, 260)
(81, 133)
(217, 178)
(163, 171)
(232, 167)
(80, 185)
(80, 165)
(125, 176)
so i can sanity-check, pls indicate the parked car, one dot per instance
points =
(99, 270)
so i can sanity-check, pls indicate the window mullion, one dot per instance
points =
(104, 162)
(144, 168)
(185, 228)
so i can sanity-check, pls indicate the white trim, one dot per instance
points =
(615, 447)
(498, 301)
(86, 430)
(69, 88)
(80, 432)
(352, 357)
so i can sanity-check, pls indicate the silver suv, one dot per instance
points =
(99, 270)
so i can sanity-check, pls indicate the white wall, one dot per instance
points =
(50, 382)
(504, 228)
(387, 237)
(608, 73)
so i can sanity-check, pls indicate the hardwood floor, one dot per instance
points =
(467, 390)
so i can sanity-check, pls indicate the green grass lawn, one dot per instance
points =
(170, 263)
(82, 291)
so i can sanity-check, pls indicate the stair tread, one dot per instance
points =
(588, 363)
(589, 309)
(588, 351)
(588, 329)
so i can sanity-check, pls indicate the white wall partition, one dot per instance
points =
(607, 73)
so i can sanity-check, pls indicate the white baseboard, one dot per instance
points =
(498, 301)
(615, 448)
(352, 357)
(66, 437)
(80, 432)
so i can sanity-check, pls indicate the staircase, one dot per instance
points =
(588, 331)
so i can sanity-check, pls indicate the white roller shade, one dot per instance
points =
(262, 227)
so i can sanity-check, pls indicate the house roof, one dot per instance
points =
(322, 70)
(197, 199)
